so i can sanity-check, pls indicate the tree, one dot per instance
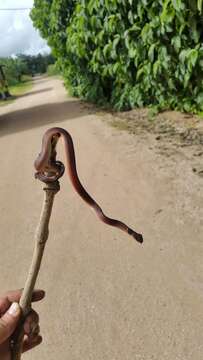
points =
(127, 53)
(15, 68)
(36, 64)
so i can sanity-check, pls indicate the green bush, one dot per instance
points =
(53, 70)
(13, 69)
(128, 53)
(17, 68)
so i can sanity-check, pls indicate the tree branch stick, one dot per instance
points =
(41, 236)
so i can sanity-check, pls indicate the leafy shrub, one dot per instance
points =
(128, 53)
(53, 70)
(13, 69)
(36, 64)
(16, 68)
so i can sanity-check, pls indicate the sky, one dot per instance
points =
(17, 34)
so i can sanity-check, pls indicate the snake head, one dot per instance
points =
(49, 170)
(138, 237)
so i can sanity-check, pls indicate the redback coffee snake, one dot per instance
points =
(50, 170)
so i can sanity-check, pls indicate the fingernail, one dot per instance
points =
(14, 309)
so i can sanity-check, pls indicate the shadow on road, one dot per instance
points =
(21, 120)
(35, 92)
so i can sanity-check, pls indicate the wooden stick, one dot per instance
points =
(41, 236)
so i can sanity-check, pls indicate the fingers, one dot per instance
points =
(30, 343)
(14, 296)
(32, 330)
(35, 330)
(31, 323)
(4, 305)
(8, 322)
(10, 314)
(38, 295)
(32, 337)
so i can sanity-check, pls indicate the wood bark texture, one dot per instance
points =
(41, 236)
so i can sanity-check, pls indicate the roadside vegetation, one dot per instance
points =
(53, 70)
(17, 90)
(127, 54)
(16, 74)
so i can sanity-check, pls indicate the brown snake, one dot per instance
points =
(48, 170)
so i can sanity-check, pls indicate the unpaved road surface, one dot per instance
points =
(108, 298)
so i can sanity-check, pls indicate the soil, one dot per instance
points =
(108, 298)
(173, 131)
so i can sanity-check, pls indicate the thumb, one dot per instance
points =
(8, 322)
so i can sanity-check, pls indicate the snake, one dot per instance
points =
(48, 170)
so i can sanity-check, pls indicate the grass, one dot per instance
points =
(200, 114)
(18, 90)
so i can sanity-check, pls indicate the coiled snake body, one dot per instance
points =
(48, 169)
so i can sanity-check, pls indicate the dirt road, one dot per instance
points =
(108, 298)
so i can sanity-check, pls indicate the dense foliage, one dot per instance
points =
(128, 53)
(53, 70)
(15, 68)
(37, 64)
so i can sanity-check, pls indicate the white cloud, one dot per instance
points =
(17, 34)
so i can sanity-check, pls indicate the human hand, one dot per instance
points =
(9, 317)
